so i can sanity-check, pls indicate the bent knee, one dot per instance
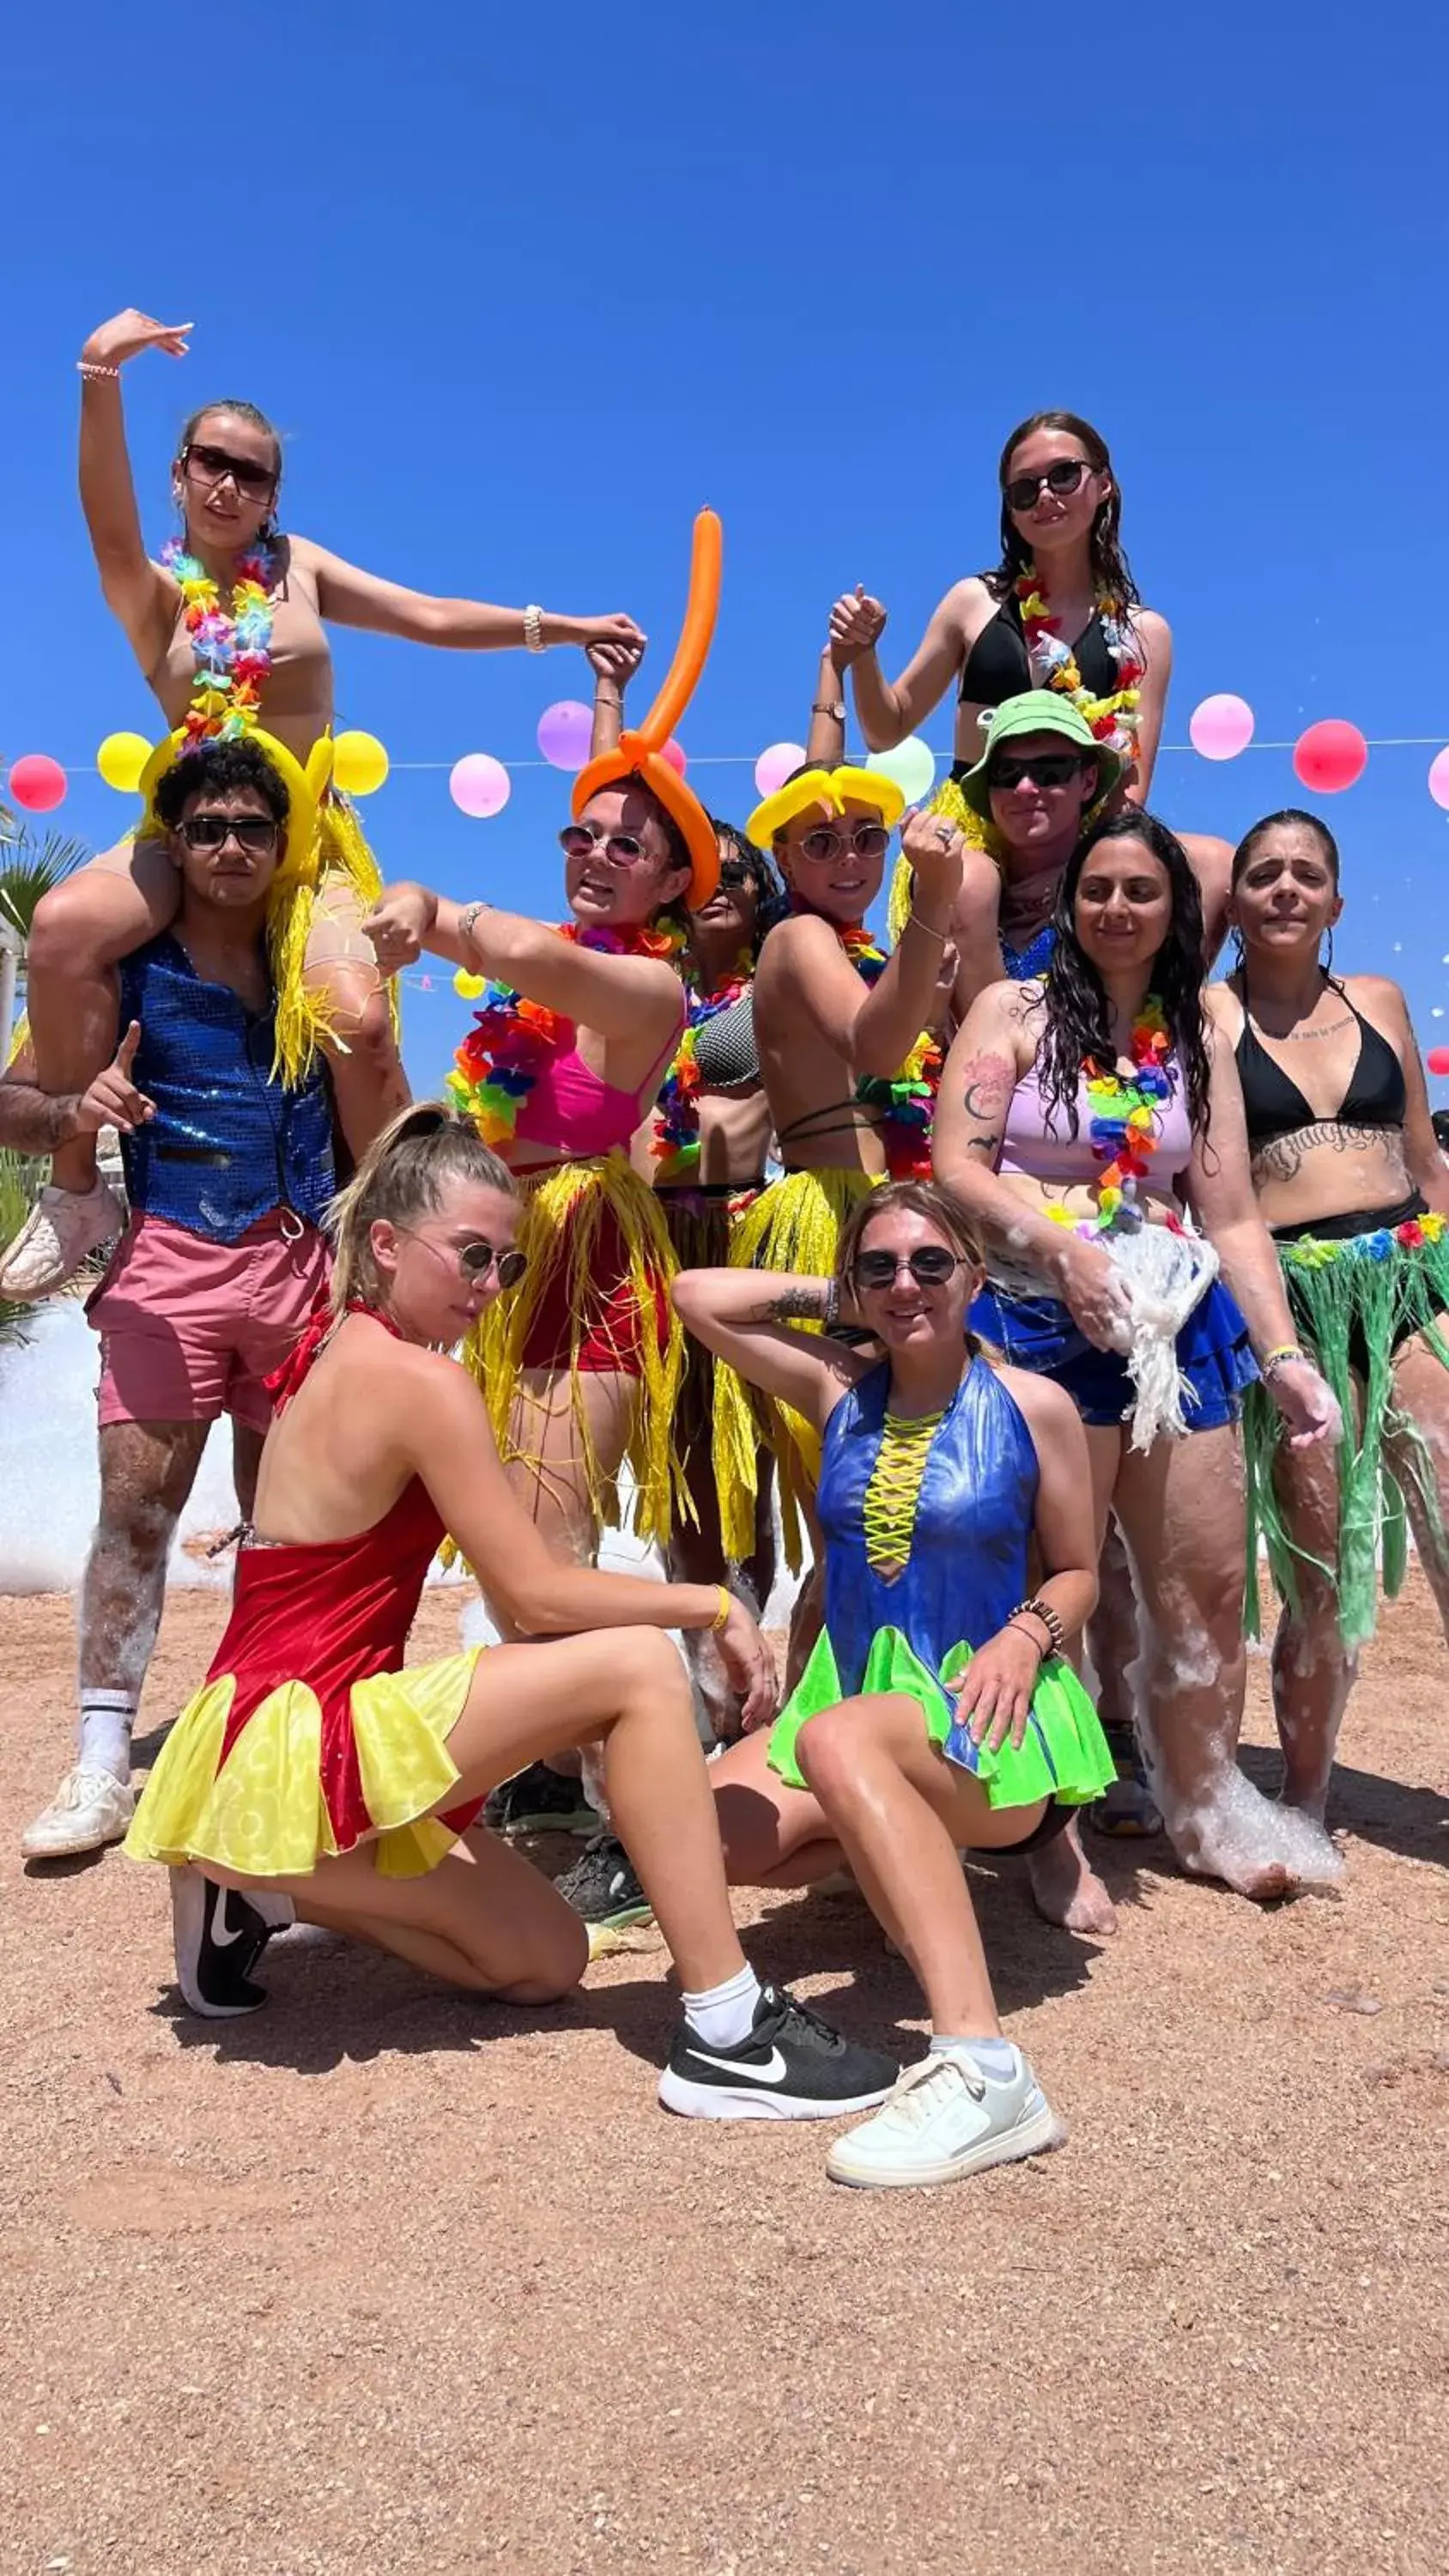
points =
(68, 933)
(359, 1014)
(830, 1747)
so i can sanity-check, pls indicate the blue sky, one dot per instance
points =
(524, 289)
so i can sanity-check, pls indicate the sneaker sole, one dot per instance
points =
(187, 1902)
(76, 1848)
(581, 1824)
(728, 2102)
(1035, 2137)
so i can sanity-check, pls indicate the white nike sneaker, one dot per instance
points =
(218, 1936)
(90, 1809)
(790, 2065)
(947, 2117)
(62, 1227)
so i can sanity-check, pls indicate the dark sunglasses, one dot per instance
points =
(737, 872)
(868, 840)
(475, 1260)
(254, 832)
(580, 840)
(1024, 490)
(1048, 768)
(210, 464)
(930, 1265)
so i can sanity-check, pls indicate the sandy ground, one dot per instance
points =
(384, 2279)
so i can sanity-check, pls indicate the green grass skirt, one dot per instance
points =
(1349, 1300)
(1063, 1753)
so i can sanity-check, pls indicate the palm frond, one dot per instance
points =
(20, 1178)
(30, 866)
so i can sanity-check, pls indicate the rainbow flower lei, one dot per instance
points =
(905, 1102)
(498, 1063)
(232, 646)
(675, 1142)
(1123, 1123)
(1053, 663)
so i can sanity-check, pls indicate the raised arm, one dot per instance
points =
(446, 1436)
(825, 736)
(803, 967)
(613, 667)
(889, 710)
(137, 591)
(749, 1317)
(621, 997)
(348, 596)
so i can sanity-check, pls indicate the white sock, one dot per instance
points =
(725, 2015)
(104, 1738)
(995, 2057)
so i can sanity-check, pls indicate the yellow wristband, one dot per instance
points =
(723, 1612)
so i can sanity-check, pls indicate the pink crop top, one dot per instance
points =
(1042, 1154)
(573, 1111)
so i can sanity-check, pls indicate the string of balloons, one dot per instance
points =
(1328, 757)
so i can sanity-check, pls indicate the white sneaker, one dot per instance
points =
(90, 1809)
(946, 2118)
(62, 1227)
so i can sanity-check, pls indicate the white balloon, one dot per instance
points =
(911, 764)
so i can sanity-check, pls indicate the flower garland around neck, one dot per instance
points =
(1052, 663)
(1122, 1128)
(906, 1102)
(675, 1142)
(511, 1040)
(233, 647)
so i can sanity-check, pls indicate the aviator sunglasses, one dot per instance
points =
(1025, 490)
(930, 1265)
(1048, 769)
(256, 833)
(210, 464)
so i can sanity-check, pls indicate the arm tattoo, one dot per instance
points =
(1283, 1157)
(812, 1305)
(987, 1084)
(34, 1121)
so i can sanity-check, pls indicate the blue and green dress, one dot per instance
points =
(927, 1526)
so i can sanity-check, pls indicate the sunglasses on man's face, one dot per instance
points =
(256, 833)
(930, 1265)
(868, 841)
(1063, 478)
(1048, 769)
(580, 840)
(206, 464)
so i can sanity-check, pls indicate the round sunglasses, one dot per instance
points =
(868, 841)
(930, 1265)
(476, 1259)
(580, 840)
(1065, 477)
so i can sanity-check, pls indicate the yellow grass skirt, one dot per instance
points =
(795, 1226)
(600, 1265)
(263, 1811)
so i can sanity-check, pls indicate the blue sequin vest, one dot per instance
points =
(229, 1143)
(973, 1526)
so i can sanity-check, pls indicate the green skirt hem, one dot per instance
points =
(1063, 1754)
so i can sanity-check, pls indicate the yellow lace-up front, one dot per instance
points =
(895, 1489)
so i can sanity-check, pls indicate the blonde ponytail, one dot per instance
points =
(401, 1176)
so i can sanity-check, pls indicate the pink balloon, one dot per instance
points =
(1221, 727)
(1330, 756)
(674, 755)
(775, 765)
(1439, 777)
(479, 784)
(563, 734)
(37, 782)
(1437, 1059)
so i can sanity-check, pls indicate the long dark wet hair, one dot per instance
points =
(1078, 1016)
(1111, 572)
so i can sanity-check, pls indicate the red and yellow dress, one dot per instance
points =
(307, 1736)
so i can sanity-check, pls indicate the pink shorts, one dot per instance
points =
(190, 1328)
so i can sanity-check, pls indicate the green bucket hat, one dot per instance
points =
(1038, 711)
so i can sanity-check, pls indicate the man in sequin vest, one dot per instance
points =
(228, 1174)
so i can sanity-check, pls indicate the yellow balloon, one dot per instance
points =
(359, 763)
(468, 987)
(121, 759)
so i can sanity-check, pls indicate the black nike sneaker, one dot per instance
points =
(793, 2066)
(603, 1886)
(219, 1936)
(539, 1801)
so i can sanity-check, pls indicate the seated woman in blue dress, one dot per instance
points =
(935, 1712)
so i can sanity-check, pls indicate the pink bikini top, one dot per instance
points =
(573, 1111)
(1054, 1154)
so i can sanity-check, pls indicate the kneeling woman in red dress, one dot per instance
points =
(313, 1775)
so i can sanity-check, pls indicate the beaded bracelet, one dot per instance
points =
(1283, 1357)
(93, 370)
(533, 627)
(467, 917)
(1042, 1610)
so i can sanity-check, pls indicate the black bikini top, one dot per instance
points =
(997, 666)
(1276, 1107)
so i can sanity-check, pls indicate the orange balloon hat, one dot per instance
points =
(639, 752)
